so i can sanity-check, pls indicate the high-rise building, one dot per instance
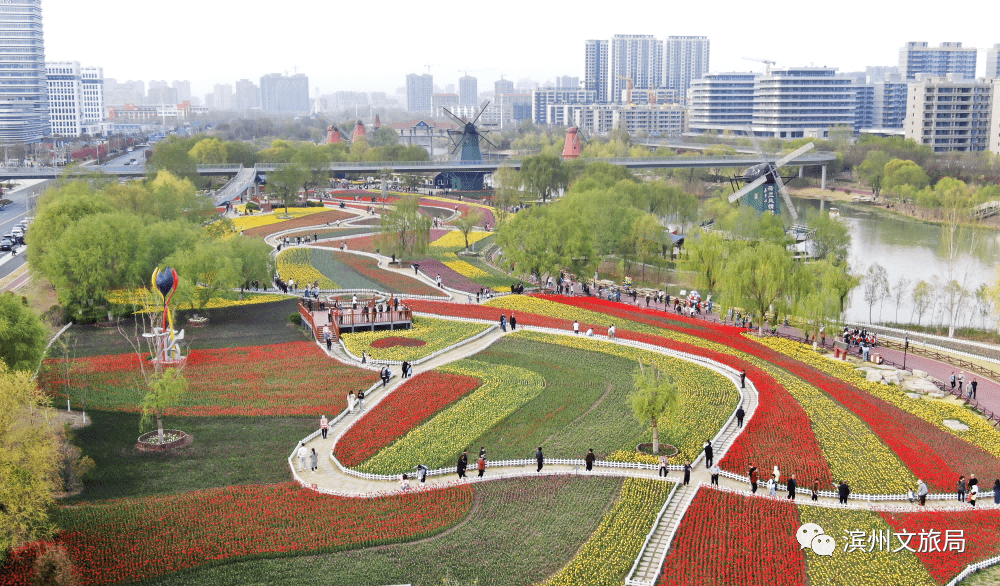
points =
(92, 80)
(568, 82)
(795, 102)
(468, 90)
(223, 96)
(686, 59)
(502, 86)
(280, 93)
(638, 58)
(721, 101)
(916, 58)
(24, 108)
(161, 95)
(889, 110)
(183, 88)
(247, 95)
(126, 92)
(65, 98)
(993, 61)
(419, 89)
(595, 68)
(950, 113)
(543, 99)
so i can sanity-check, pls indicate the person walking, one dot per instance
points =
(715, 471)
(996, 491)
(503, 322)
(972, 388)
(611, 332)
(350, 402)
(973, 495)
(404, 369)
(708, 453)
(753, 479)
(843, 491)
(792, 485)
(961, 379)
(740, 414)
(664, 462)
(324, 425)
(404, 483)
(687, 472)
(303, 454)
(951, 379)
(922, 492)
(743, 378)
(973, 481)
(772, 487)
(482, 451)
(513, 322)
(961, 488)
(589, 459)
(576, 327)
(463, 463)
(776, 473)
(361, 401)
(481, 464)
(314, 461)
(815, 490)
(540, 458)
(422, 471)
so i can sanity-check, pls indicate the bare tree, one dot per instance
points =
(922, 297)
(954, 296)
(898, 292)
(876, 287)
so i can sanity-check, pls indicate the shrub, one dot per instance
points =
(295, 319)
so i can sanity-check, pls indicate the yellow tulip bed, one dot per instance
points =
(435, 333)
(296, 263)
(466, 270)
(440, 441)
(258, 220)
(856, 566)
(608, 554)
(708, 398)
(455, 240)
(145, 298)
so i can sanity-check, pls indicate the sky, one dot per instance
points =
(371, 46)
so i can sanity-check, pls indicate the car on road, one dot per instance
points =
(18, 234)
(6, 244)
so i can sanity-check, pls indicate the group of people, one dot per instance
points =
(860, 337)
(504, 321)
(968, 491)
(960, 379)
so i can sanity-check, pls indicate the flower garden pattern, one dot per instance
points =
(437, 334)
(297, 264)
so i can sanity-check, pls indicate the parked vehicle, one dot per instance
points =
(6, 244)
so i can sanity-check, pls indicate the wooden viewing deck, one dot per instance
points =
(352, 320)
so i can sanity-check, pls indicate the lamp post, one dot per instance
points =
(906, 346)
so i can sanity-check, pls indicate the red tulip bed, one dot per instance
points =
(294, 378)
(979, 529)
(370, 243)
(406, 408)
(725, 538)
(135, 539)
(929, 452)
(328, 216)
(463, 208)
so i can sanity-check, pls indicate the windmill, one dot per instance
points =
(763, 180)
(573, 147)
(467, 139)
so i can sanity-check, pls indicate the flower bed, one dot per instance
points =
(257, 220)
(310, 219)
(296, 263)
(980, 530)
(136, 539)
(608, 555)
(434, 268)
(733, 540)
(396, 342)
(143, 298)
(404, 409)
(295, 378)
(454, 240)
(172, 438)
(389, 280)
(440, 440)
(428, 335)
(466, 270)
(463, 207)
(331, 264)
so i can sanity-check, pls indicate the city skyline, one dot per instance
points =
(301, 39)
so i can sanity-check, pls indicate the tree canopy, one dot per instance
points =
(22, 333)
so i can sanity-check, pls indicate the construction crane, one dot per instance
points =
(628, 100)
(767, 63)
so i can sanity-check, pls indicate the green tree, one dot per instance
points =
(316, 160)
(206, 269)
(209, 151)
(252, 257)
(58, 209)
(28, 460)
(166, 388)
(655, 400)
(543, 175)
(468, 222)
(174, 155)
(287, 181)
(706, 257)
(385, 136)
(546, 239)
(22, 333)
(757, 278)
(872, 169)
(922, 297)
(404, 231)
(876, 284)
(900, 173)
(831, 238)
(647, 233)
(506, 190)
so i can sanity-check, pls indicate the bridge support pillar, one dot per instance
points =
(800, 172)
(822, 181)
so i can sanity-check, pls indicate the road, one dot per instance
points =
(11, 216)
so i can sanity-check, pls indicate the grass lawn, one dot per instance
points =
(226, 451)
(519, 531)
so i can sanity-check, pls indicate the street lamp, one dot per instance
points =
(906, 346)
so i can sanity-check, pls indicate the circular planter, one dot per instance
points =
(665, 449)
(144, 445)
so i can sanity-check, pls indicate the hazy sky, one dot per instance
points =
(371, 46)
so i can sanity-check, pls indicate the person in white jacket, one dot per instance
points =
(303, 454)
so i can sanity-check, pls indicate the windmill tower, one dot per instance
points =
(359, 131)
(763, 182)
(573, 147)
(467, 139)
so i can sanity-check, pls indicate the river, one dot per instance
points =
(913, 250)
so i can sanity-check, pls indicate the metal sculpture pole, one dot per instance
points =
(167, 351)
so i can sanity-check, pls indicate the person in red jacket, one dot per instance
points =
(753, 479)
(482, 465)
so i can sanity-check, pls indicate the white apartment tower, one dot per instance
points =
(993, 61)
(65, 90)
(92, 81)
(635, 57)
(950, 113)
(798, 102)
(419, 89)
(686, 59)
(468, 91)
(916, 58)
(24, 109)
(596, 63)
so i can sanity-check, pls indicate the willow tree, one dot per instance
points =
(655, 399)
(404, 230)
